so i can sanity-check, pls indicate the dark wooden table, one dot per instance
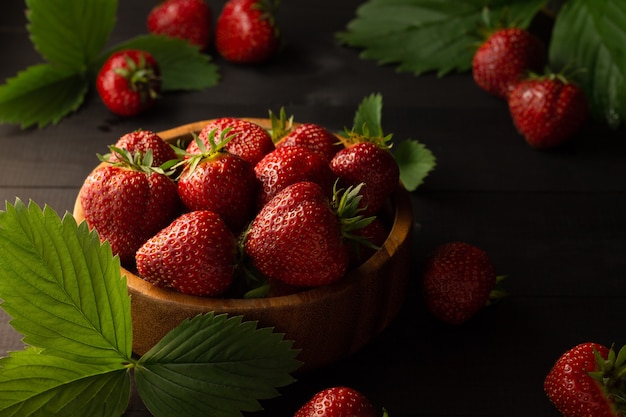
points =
(555, 221)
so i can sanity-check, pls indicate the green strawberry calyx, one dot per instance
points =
(214, 150)
(268, 10)
(611, 376)
(564, 76)
(281, 125)
(493, 21)
(498, 292)
(250, 282)
(136, 161)
(141, 78)
(346, 205)
(352, 137)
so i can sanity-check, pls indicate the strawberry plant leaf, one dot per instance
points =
(183, 66)
(589, 36)
(70, 33)
(33, 384)
(367, 120)
(423, 35)
(415, 162)
(41, 95)
(225, 364)
(62, 287)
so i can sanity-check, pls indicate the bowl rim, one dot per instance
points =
(401, 225)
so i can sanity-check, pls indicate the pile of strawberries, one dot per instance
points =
(546, 107)
(241, 207)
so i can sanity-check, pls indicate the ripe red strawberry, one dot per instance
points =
(195, 255)
(219, 181)
(505, 58)
(249, 140)
(127, 203)
(144, 141)
(314, 137)
(337, 402)
(189, 20)
(457, 282)
(309, 135)
(246, 32)
(288, 165)
(129, 82)
(374, 166)
(297, 238)
(548, 110)
(588, 381)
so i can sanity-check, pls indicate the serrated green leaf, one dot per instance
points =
(225, 364)
(70, 33)
(589, 36)
(415, 162)
(367, 120)
(33, 384)
(183, 66)
(427, 35)
(41, 95)
(62, 287)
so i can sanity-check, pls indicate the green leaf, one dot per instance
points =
(33, 384)
(427, 35)
(589, 36)
(70, 33)
(183, 66)
(224, 364)
(62, 287)
(367, 120)
(41, 95)
(415, 162)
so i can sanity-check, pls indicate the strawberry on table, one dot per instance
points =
(189, 20)
(548, 109)
(128, 202)
(589, 380)
(249, 140)
(458, 282)
(506, 57)
(217, 180)
(144, 141)
(195, 254)
(298, 236)
(246, 31)
(337, 401)
(288, 165)
(129, 82)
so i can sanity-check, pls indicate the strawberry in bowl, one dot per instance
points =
(351, 304)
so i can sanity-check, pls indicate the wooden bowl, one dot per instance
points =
(327, 323)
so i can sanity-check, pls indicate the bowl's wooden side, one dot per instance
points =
(326, 323)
